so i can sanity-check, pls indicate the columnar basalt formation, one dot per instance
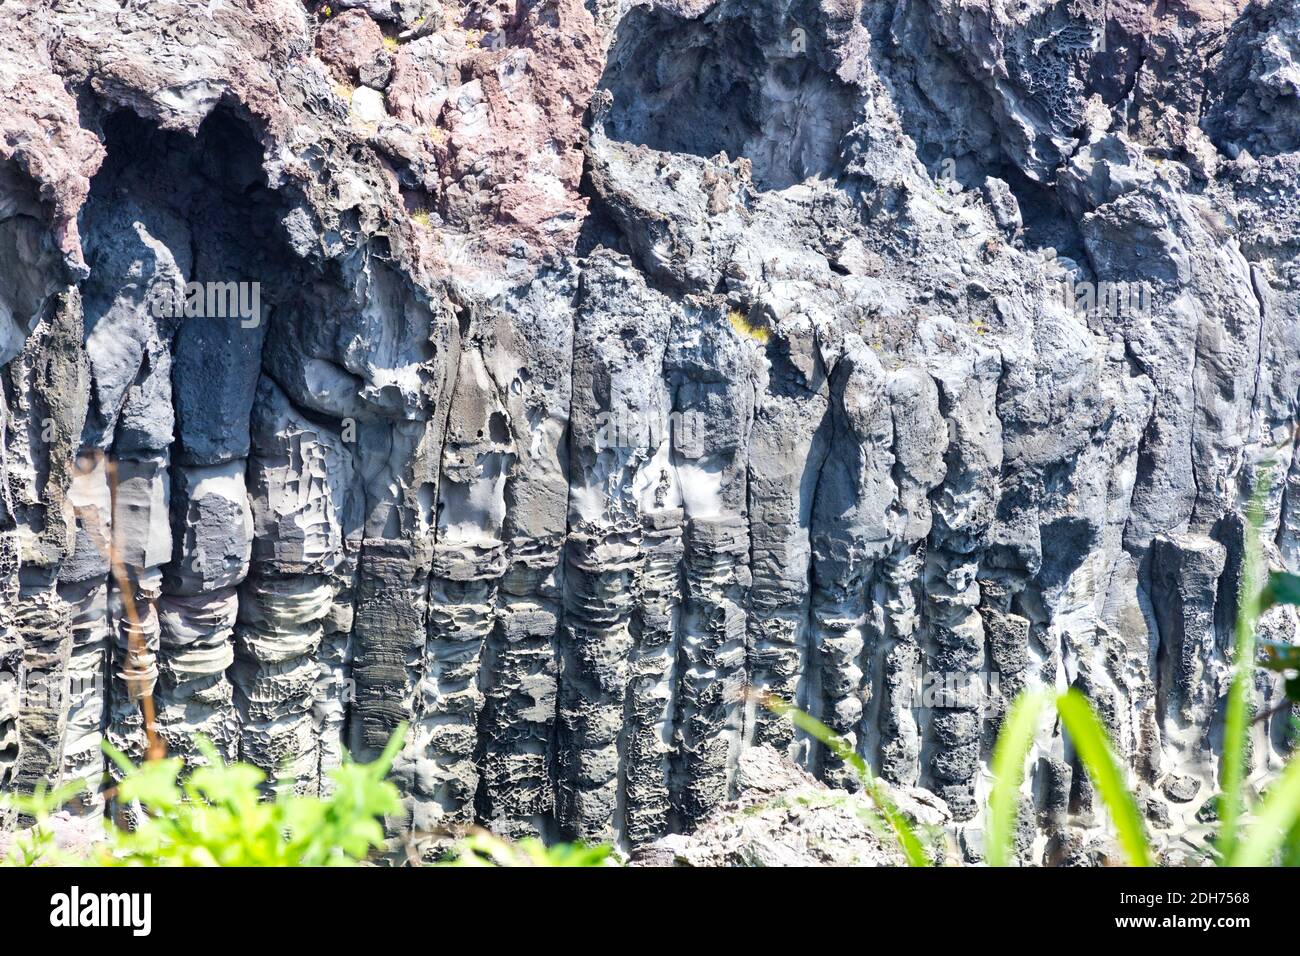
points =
(532, 365)
(556, 378)
(469, 560)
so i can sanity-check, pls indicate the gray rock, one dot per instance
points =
(616, 363)
(784, 817)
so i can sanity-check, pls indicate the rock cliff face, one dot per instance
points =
(545, 374)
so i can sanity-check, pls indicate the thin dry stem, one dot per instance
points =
(155, 748)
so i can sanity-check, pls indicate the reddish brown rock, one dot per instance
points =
(349, 44)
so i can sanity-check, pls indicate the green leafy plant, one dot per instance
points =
(35, 845)
(481, 848)
(217, 815)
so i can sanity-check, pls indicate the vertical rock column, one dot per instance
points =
(11, 680)
(398, 462)
(713, 642)
(11, 651)
(83, 756)
(142, 544)
(955, 658)
(44, 625)
(138, 478)
(893, 646)
(711, 672)
(963, 514)
(140, 256)
(1193, 667)
(1008, 645)
(520, 701)
(787, 449)
(652, 675)
(355, 512)
(217, 362)
(47, 387)
(469, 559)
(596, 643)
(83, 583)
(533, 362)
(12, 671)
(334, 681)
(854, 495)
(620, 471)
(390, 637)
(406, 353)
(213, 527)
(299, 478)
(462, 612)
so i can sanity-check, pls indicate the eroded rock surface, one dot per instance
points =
(784, 817)
(545, 375)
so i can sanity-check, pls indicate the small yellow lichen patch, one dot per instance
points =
(420, 217)
(344, 92)
(742, 325)
(390, 43)
(474, 37)
(437, 134)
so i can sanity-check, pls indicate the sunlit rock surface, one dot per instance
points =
(547, 375)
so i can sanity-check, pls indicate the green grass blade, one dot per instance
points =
(911, 845)
(1014, 740)
(1093, 746)
(1279, 812)
(1242, 691)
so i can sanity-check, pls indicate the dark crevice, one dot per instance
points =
(714, 85)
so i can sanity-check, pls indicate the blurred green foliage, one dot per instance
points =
(217, 815)
(485, 849)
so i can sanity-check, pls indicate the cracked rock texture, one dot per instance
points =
(783, 817)
(574, 367)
